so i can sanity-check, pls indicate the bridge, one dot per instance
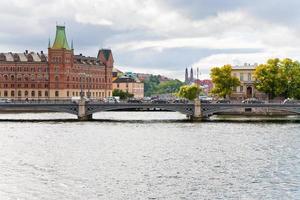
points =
(84, 110)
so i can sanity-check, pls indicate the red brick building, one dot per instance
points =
(58, 74)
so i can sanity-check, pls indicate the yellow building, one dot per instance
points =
(246, 89)
(131, 84)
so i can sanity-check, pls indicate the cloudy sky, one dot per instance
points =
(159, 36)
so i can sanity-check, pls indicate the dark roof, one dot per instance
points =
(124, 80)
(87, 60)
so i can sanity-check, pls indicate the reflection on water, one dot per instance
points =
(121, 156)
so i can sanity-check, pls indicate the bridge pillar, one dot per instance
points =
(82, 116)
(197, 116)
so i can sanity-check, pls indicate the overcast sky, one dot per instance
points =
(159, 36)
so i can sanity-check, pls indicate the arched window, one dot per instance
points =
(56, 78)
(32, 93)
(39, 93)
(12, 93)
(46, 94)
(26, 93)
(19, 93)
(56, 93)
(5, 77)
(5, 93)
(12, 77)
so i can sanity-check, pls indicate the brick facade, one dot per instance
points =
(56, 75)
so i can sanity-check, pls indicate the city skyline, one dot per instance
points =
(160, 37)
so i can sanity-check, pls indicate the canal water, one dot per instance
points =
(159, 155)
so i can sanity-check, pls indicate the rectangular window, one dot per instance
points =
(56, 93)
(241, 76)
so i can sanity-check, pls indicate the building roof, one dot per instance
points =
(106, 53)
(9, 56)
(35, 56)
(246, 66)
(60, 39)
(24, 57)
(128, 77)
(87, 60)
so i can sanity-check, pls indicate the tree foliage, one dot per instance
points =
(153, 86)
(150, 85)
(120, 93)
(189, 92)
(291, 75)
(223, 80)
(168, 87)
(278, 78)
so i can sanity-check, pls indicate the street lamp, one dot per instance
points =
(81, 75)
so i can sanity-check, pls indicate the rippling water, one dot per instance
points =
(163, 157)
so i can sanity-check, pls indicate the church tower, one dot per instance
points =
(192, 76)
(186, 80)
(60, 60)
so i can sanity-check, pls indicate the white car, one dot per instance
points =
(111, 100)
(5, 101)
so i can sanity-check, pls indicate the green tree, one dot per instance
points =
(168, 87)
(223, 80)
(270, 78)
(189, 92)
(291, 76)
(150, 85)
(120, 93)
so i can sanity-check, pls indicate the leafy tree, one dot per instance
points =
(168, 87)
(270, 78)
(189, 92)
(291, 76)
(120, 93)
(150, 85)
(223, 80)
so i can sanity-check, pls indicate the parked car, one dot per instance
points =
(111, 100)
(159, 101)
(76, 99)
(205, 99)
(223, 101)
(252, 100)
(180, 101)
(291, 101)
(5, 100)
(134, 101)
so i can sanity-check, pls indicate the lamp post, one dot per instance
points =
(89, 85)
(81, 89)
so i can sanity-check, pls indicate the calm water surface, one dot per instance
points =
(150, 156)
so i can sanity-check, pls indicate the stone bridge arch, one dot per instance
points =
(186, 109)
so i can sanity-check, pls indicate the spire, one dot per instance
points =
(186, 80)
(60, 41)
(192, 76)
(72, 47)
(49, 43)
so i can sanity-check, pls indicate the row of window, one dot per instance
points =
(249, 75)
(26, 93)
(24, 69)
(22, 77)
(46, 94)
(26, 85)
(40, 85)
